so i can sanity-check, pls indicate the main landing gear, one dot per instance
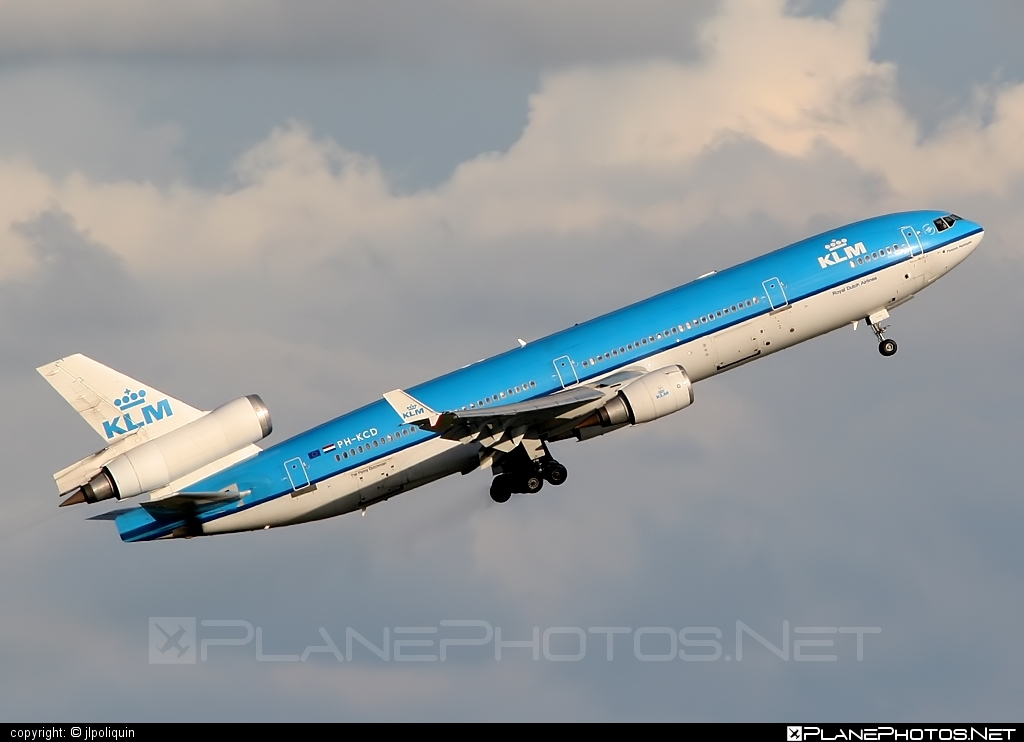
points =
(528, 480)
(885, 346)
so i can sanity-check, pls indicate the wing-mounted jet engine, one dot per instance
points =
(655, 394)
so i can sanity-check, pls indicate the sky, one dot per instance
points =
(320, 201)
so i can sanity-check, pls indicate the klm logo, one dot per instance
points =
(413, 411)
(128, 405)
(662, 393)
(838, 251)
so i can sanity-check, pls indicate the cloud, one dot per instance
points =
(516, 31)
(823, 485)
(793, 108)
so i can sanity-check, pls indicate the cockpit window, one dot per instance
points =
(945, 222)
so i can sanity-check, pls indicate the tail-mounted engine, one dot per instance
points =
(159, 462)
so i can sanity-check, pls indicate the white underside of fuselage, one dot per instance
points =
(702, 358)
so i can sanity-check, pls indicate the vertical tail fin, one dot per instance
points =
(113, 404)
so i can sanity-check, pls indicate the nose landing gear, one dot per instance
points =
(885, 346)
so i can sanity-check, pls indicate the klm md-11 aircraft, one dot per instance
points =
(204, 474)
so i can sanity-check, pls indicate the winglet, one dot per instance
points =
(411, 410)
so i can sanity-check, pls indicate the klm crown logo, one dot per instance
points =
(839, 251)
(149, 413)
(130, 399)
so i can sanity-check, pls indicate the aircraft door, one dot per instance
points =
(776, 292)
(917, 264)
(566, 372)
(297, 474)
(912, 241)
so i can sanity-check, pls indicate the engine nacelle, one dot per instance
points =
(159, 462)
(653, 395)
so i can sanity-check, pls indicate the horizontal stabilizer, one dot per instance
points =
(187, 500)
(111, 514)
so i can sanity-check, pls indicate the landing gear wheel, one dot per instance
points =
(887, 348)
(555, 473)
(501, 488)
(532, 483)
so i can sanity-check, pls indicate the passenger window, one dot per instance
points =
(719, 313)
(375, 444)
(687, 325)
(360, 449)
(533, 383)
(726, 310)
(390, 438)
(622, 350)
(337, 457)
(658, 336)
(755, 300)
(643, 340)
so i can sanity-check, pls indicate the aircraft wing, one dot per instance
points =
(530, 411)
(502, 427)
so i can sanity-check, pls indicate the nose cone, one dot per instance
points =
(975, 231)
(979, 235)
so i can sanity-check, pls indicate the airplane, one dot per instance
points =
(173, 641)
(204, 474)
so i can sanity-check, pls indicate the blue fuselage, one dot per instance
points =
(815, 278)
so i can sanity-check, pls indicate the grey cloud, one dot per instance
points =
(825, 486)
(413, 32)
(815, 487)
(79, 293)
